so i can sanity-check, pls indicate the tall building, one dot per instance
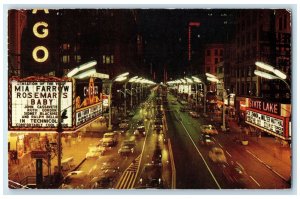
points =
(17, 20)
(261, 35)
(108, 36)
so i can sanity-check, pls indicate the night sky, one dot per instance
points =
(166, 35)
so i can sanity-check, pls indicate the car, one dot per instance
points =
(109, 139)
(157, 155)
(140, 122)
(123, 125)
(151, 176)
(95, 152)
(194, 114)
(235, 174)
(205, 139)
(209, 129)
(125, 150)
(216, 154)
(158, 124)
(140, 130)
(75, 180)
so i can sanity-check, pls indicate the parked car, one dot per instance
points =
(95, 151)
(151, 176)
(209, 129)
(75, 180)
(109, 139)
(216, 154)
(205, 139)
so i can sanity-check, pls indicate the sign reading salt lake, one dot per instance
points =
(35, 104)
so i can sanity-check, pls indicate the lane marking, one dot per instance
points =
(268, 166)
(228, 153)
(255, 181)
(214, 139)
(201, 156)
(239, 164)
(139, 165)
(220, 145)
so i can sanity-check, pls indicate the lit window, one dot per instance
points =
(78, 58)
(103, 59)
(66, 46)
(112, 59)
(107, 60)
(66, 59)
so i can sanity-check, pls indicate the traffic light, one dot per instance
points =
(64, 115)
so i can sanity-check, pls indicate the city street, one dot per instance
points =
(149, 99)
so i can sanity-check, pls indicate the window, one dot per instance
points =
(107, 59)
(221, 52)
(280, 23)
(66, 58)
(216, 51)
(78, 58)
(284, 21)
(103, 59)
(66, 46)
(208, 52)
(216, 60)
(111, 59)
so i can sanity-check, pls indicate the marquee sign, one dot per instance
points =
(87, 114)
(269, 107)
(272, 124)
(33, 103)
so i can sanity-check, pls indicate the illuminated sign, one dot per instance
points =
(34, 104)
(273, 108)
(105, 100)
(184, 89)
(87, 114)
(40, 57)
(273, 125)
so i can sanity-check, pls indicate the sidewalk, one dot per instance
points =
(75, 148)
(266, 150)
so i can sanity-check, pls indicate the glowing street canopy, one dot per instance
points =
(120, 79)
(265, 75)
(270, 68)
(196, 79)
(211, 79)
(82, 67)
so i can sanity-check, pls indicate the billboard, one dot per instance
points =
(33, 103)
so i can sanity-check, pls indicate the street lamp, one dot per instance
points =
(213, 78)
(118, 78)
(277, 73)
(75, 73)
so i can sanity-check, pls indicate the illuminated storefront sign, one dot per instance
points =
(273, 108)
(184, 89)
(88, 102)
(87, 114)
(34, 104)
(40, 30)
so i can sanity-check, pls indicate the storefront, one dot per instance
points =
(270, 118)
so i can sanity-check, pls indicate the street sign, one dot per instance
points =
(39, 154)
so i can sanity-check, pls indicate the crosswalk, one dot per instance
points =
(127, 179)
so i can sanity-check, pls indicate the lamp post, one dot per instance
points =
(119, 78)
(77, 72)
(213, 78)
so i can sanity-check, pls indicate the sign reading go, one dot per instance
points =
(40, 30)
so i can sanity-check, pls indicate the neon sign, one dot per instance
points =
(43, 34)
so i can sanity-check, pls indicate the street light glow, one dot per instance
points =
(264, 75)
(120, 79)
(87, 65)
(86, 74)
(210, 75)
(270, 68)
(133, 79)
(212, 79)
(189, 80)
(123, 75)
(72, 72)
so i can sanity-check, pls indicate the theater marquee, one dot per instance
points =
(34, 103)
